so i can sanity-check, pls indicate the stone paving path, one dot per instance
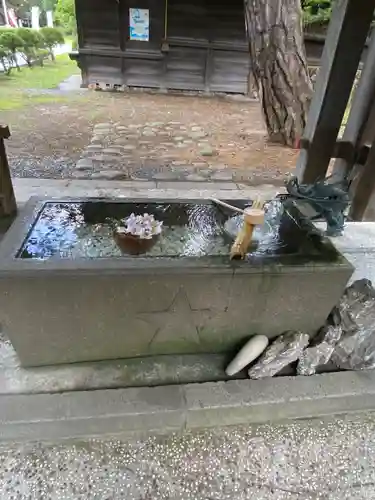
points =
(330, 459)
(168, 150)
(135, 135)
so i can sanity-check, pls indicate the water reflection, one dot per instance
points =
(75, 230)
(204, 232)
(266, 238)
(55, 231)
(70, 230)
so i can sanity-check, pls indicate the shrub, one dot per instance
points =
(52, 37)
(32, 42)
(10, 44)
(317, 11)
(75, 43)
(65, 16)
(5, 59)
(34, 46)
(41, 55)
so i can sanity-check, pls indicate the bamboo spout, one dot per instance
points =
(253, 216)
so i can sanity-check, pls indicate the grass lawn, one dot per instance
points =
(13, 88)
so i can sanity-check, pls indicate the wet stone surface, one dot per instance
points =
(301, 460)
(76, 229)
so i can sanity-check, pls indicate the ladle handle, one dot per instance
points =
(226, 205)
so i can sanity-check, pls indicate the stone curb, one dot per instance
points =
(83, 414)
(26, 188)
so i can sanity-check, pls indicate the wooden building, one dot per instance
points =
(184, 44)
(190, 45)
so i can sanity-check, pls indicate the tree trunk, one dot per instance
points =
(15, 62)
(274, 29)
(6, 65)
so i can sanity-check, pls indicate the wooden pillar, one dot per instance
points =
(346, 37)
(8, 204)
(359, 129)
(363, 187)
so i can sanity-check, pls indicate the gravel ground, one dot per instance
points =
(49, 139)
(332, 459)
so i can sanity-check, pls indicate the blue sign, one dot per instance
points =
(139, 24)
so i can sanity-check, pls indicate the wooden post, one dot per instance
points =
(8, 206)
(357, 131)
(346, 37)
(363, 187)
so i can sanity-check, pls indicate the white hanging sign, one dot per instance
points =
(139, 24)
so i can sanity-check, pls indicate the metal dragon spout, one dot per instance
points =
(329, 200)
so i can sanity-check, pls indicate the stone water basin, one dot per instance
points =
(69, 295)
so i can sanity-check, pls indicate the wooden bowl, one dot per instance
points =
(133, 245)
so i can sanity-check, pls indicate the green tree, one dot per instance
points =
(317, 11)
(275, 35)
(4, 59)
(5, 54)
(65, 15)
(32, 43)
(274, 29)
(52, 37)
(11, 43)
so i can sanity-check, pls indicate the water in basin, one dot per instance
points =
(69, 230)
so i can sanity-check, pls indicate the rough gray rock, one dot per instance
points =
(286, 349)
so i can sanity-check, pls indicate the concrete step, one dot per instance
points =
(26, 188)
(150, 410)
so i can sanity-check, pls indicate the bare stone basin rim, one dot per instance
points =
(60, 311)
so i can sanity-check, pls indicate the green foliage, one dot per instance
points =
(51, 37)
(317, 11)
(34, 46)
(10, 40)
(32, 42)
(5, 52)
(32, 39)
(15, 93)
(10, 44)
(75, 43)
(65, 16)
(41, 55)
(5, 59)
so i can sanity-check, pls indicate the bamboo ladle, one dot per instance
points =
(253, 216)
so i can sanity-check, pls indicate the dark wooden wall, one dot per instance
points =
(206, 50)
